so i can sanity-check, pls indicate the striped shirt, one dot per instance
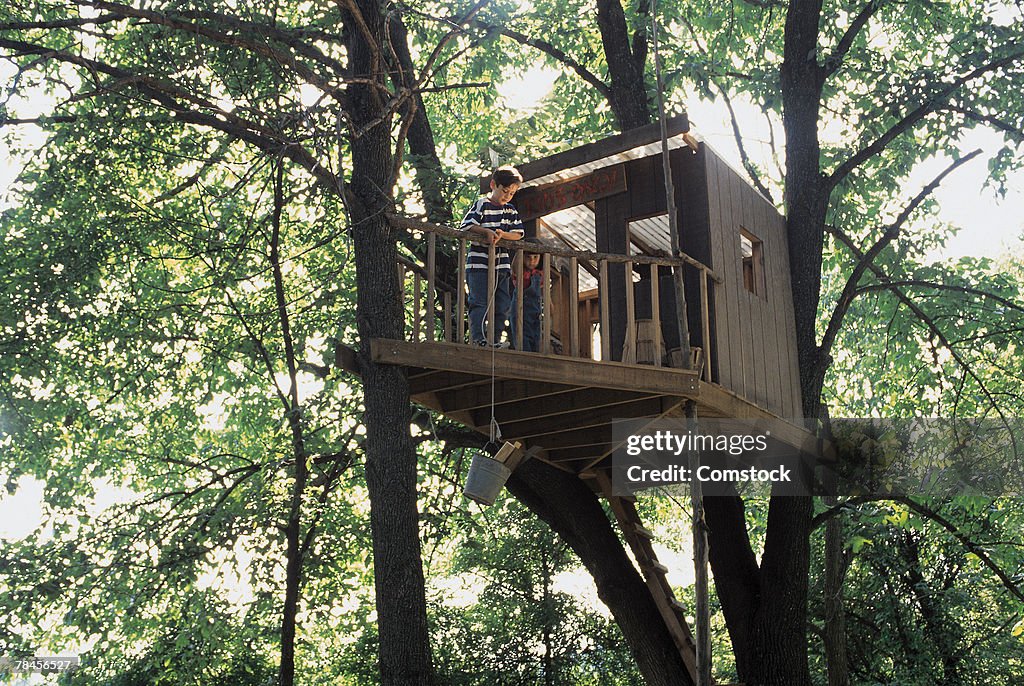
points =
(490, 216)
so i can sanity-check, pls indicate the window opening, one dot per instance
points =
(752, 252)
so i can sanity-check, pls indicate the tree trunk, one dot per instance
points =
(836, 563)
(404, 649)
(626, 69)
(573, 511)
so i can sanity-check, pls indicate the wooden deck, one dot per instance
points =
(562, 407)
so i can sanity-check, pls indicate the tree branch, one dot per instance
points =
(931, 514)
(550, 50)
(925, 319)
(935, 102)
(920, 283)
(747, 164)
(1015, 132)
(835, 60)
(867, 259)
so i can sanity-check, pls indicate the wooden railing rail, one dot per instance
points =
(427, 288)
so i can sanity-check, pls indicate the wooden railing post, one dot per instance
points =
(492, 276)
(431, 285)
(656, 314)
(415, 306)
(605, 318)
(517, 270)
(629, 347)
(545, 333)
(574, 308)
(460, 316)
(705, 317)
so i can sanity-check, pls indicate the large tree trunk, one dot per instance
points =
(404, 650)
(573, 511)
(625, 67)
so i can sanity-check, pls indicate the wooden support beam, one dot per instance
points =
(612, 145)
(530, 406)
(575, 438)
(535, 367)
(589, 417)
(505, 391)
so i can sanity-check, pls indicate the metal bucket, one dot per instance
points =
(485, 479)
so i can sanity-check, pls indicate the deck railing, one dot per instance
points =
(437, 307)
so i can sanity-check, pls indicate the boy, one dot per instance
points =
(493, 218)
(531, 281)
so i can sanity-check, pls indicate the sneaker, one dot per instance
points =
(503, 345)
(482, 343)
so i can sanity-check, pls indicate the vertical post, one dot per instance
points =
(460, 315)
(602, 296)
(401, 290)
(431, 285)
(656, 314)
(629, 348)
(702, 612)
(574, 308)
(517, 269)
(705, 317)
(416, 306)
(492, 277)
(446, 326)
(545, 289)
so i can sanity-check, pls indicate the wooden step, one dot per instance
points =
(643, 531)
(657, 566)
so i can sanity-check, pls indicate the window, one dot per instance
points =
(752, 253)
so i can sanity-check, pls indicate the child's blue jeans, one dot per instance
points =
(476, 279)
(531, 314)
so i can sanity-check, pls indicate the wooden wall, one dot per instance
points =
(755, 336)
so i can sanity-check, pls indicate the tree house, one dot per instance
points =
(600, 210)
(609, 312)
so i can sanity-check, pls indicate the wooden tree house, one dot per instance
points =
(601, 212)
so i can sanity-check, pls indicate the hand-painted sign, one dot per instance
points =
(542, 200)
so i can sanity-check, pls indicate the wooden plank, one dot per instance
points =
(629, 345)
(538, 201)
(517, 269)
(584, 454)
(592, 417)
(599, 149)
(718, 291)
(572, 304)
(431, 285)
(415, 307)
(460, 316)
(436, 381)
(747, 337)
(602, 289)
(533, 366)
(534, 398)
(705, 323)
(492, 279)
(771, 266)
(545, 299)
(737, 313)
(733, 280)
(575, 438)
(759, 305)
(656, 314)
(670, 407)
(446, 327)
